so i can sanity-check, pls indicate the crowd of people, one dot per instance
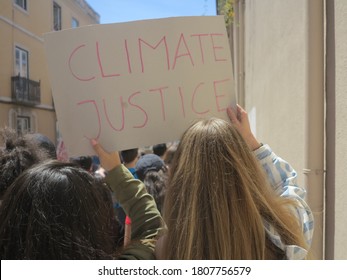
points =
(217, 193)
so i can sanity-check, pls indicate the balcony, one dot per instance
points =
(25, 91)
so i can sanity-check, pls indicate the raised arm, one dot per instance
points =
(136, 202)
(283, 179)
(280, 174)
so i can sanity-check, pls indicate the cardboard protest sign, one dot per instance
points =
(138, 83)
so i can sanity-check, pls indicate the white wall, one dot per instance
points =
(276, 83)
(279, 74)
(341, 130)
(275, 75)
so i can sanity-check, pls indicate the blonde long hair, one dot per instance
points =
(217, 198)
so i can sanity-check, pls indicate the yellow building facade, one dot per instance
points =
(26, 102)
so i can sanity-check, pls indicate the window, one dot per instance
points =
(21, 60)
(22, 4)
(23, 120)
(74, 23)
(23, 125)
(56, 17)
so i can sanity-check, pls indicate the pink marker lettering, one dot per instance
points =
(193, 100)
(182, 102)
(216, 47)
(138, 107)
(128, 57)
(97, 115)
(161, 98)
(200, 45)
(187, 53)
(154, 47)
(108, 119)
(215, 83)
(71, 70)
(100, 64)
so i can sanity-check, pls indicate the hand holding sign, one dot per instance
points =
(108, 161)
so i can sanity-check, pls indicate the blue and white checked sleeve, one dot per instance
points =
(282, 178)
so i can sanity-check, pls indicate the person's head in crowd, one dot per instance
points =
(17, 153)
(159, 149)
(169, 154)
(217, 197)
(57, 210)
(149, 162)
(129, 157)
(152, 170)
(85, 162)
(43, 142)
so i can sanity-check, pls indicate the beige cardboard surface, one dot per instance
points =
(138, 83)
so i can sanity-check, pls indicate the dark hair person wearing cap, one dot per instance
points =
(148, 162)
(152, 170)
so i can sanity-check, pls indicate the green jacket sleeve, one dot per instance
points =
(146, 221)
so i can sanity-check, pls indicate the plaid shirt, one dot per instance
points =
(283, 180)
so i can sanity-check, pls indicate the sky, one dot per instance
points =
(112, 11)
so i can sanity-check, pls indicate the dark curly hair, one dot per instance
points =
(155, 182)
(55, 210)
(17, 154)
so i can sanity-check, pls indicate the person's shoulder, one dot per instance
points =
(139, 250)
(133, 171)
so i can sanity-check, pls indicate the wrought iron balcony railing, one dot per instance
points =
(25, 91)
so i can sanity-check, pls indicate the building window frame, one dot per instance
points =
(23, 124)
(56, 17)
(74, 23)
(21, 61)
(23, 120)
(22, 4)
